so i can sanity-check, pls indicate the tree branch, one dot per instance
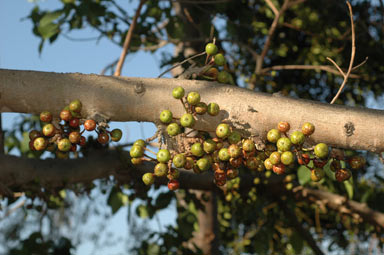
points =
(142, 99)
(128, 39)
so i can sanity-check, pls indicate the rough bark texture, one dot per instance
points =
(142, 99)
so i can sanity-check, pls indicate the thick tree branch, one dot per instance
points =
(142, 99)
(16, 171)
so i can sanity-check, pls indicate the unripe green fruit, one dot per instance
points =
(49, 130)
(275, 158)
(209, 146)
(201, 108)
(284, 144)
(321, 150)
(179, 160)
(178, 92)
(148, 179)
(116, 134)
(161, 169)
(213, 109)
(317, 174)
(219, 59)
(40, 143)
(193, 98)
(223, 77)
(64, 145)
(136, 161)
(203, 164)
(136, 151)
(297, 138)
(287, 158)
(308, 128)
(163, 156)
(187, 120)
(234, 137)
(166, 116)
(222, 130)
(75, 106)
(273, 135)
(224, 155)
(139, 142)
(248, 145)
(234, 151)
(173, 129)
(197, 150)
(268, 164)
(62, 155)
(211, 49)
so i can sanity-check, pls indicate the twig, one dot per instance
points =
(326, 68)
(182, 62)
(128, 39)
(353, 51)
(13, 209)
(272, 6)
(359, 65)
(1, 137)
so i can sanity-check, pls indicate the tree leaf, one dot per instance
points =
(116, 200)
(304, 175)
(349, 187)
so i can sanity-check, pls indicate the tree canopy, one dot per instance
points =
(277, 53)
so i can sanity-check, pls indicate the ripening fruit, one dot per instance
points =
(335, 165)
(203, 164)
(252, 163)
(219, 59)
(223, 77)
(62, 155)
(209, 146)
(64, 145)
(287, 158)
(279, 168)
(40, 143)
(74, 137)
(283, 144)
(197, 150)
(275, 158)
(173, 129)
(234, 151)
(223, 154)
(236, 162)
(46, 116)
(232, 173)
(222, 130)
(166, 116)
(163, 156)
(178, 92)
(201, 108)
(136, 151)
(65, 115)
(304, 159)
(356, 162)
(75, 122)
(189, 163)
(49, 130)
(212, 73)
(268, 164)
(116, 134)
(83, 141)
(308, 128)
(234, 137)
(297, 138)
(317, 174)
(321, 150)
(187, 120)
(161, 169)
(89, 125)
(213, 109)
(33, 134)
(148, 179)
(103, 138)
(319, 163)
(179, 160)
(283, 126)
(136, 161)
(193, 98)
(139, 142)
(173, 184)
(75, 106)
(273, 135)
(343, 175)
(248, 145)
(211, 49)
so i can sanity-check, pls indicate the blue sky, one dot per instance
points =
(19, 50)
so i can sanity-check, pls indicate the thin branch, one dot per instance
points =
(337, 66)
(353, 51)
(182, 62)
(272, 6)
(361, 64)
(1, 136)
(306, 67)
(128, 39)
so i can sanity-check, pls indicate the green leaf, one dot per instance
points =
(49, 17)
(116, 200)
(48, 30)
(297, 242)
(349, 187)
(304, 175)
(142, 211)
(163, 200)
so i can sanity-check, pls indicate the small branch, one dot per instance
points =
(361, 64)
(272, 6)
(128, 39)
(182, 62)
(305, 234)
(353, 51)
(1, 136)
